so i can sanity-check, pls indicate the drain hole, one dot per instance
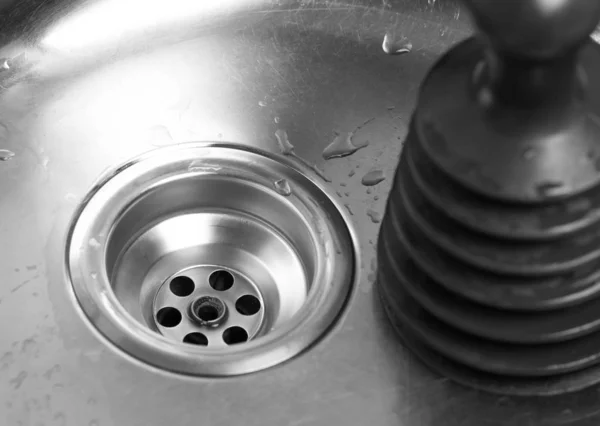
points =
(221, 280)
(207, 313)
(182, 286)
(208, 310)
(234, 335)
(196, 339)
(168, 317)
(247, 305)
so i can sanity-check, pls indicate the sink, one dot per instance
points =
(95, 93)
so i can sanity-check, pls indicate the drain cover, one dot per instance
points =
(191, 259)
(211, 301)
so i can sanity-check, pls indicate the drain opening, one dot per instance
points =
(182, 286)
(247, 305)
(208, 310)
(196, 339)
(221, 280)
(168, 317)
(234, 335)
(207, 313)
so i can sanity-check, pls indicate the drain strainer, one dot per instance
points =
(209, 306)
(191, 258)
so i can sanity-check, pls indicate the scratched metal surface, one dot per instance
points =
(93, 83)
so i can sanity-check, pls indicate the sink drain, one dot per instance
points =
(209, 300)
(189, 259)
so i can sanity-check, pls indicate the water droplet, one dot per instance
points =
(6, 155)
(342, 146)
(394, 47)
(374, 216)
(369, 190)
(430, 2)
(262, 104)
(339, 194)
(529, 153)
(342, 183)
(94, 275)
(391, 107)
(201, 166)
(347, 206)
(352, 173)
(276, 120)
(5, 65)
(347, 194)
(282, 186)
(94, 243)
(285, 145)
(376, 197)
(373, 178)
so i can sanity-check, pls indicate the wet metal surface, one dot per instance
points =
(85, 86)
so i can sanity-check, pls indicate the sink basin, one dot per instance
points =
(86, 86)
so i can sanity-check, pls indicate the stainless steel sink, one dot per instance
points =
(87, 86)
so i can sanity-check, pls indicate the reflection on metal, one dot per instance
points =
(112, 20)
(230, 234)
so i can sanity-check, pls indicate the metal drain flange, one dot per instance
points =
(188, 258)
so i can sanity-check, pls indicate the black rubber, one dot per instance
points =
(496, 285)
